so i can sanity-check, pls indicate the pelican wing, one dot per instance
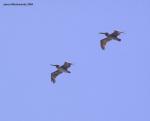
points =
(105, 33)
(54, 75)
(104, 41)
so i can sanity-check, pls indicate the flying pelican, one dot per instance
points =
(109, 37)
(60, 69)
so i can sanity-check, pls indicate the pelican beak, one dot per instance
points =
(101, 33)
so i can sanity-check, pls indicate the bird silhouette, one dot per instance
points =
(109, 37)
(60, 70)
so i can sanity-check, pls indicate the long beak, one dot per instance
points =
(101, 33)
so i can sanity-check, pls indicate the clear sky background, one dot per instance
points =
(110, 85)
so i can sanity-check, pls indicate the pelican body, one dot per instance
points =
(60, 69)
(109, 37)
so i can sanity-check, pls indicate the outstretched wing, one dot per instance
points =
(105, 33)
(104, 41)
(54, 75)
(66, 65)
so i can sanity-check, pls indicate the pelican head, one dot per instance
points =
(69, 63)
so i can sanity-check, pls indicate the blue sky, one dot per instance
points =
(110, 85)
